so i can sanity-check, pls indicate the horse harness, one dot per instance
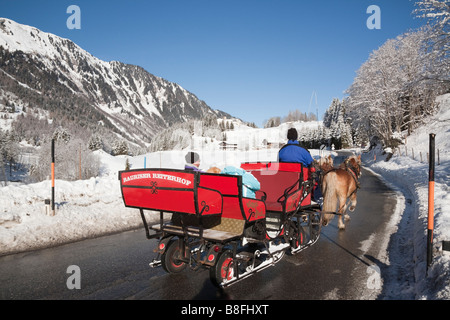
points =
(352, 171)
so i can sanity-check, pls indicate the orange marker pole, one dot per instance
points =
(53, 176)
(431, 201)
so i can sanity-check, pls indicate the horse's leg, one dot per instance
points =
(346, 217)
(343, 208)
(341, 224)
(329, 206)
(353, 202)
(329, 198)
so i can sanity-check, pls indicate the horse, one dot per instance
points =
(325, 164)
(339, 185)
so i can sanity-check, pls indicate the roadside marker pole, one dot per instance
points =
(80, 163)
(53, 176)
(430, 201)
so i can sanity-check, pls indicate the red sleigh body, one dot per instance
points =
(210, 209)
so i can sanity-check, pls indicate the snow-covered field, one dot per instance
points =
(89, 208)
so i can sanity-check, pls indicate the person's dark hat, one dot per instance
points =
(292, 134)
(192, 157)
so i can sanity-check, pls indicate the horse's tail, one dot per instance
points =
(329, 196)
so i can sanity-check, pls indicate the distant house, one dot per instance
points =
(227, 146)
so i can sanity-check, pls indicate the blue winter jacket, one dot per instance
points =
(292, 152)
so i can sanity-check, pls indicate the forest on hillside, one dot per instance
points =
(396, 88)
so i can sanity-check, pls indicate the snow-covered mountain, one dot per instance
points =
(43, 71)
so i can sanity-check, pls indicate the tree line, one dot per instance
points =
(34, 129)
(179, 136)
(293, 115)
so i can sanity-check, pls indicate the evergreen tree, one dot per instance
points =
(335, 119)
(120, 147)
(272, 122)
(95, 142)
(61, 134)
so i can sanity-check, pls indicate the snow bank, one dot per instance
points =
(410, 176)
(84, 209)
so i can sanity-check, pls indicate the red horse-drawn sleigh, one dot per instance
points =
(204, 220)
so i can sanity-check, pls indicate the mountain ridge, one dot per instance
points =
(45, 71)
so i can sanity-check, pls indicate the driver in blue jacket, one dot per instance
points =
(293, 152)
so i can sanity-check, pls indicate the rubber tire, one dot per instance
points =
(300, 239)
(170, 258)
(316, 229)
(223, 269)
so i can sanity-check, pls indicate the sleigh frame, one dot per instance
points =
(204, 220)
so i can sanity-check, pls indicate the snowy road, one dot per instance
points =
(349, 264)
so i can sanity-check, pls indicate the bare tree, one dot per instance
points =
(437, 14)
(391, 91)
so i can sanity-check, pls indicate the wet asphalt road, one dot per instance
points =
(341, 265)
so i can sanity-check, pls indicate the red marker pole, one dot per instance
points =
(53, 176)
(431, 201)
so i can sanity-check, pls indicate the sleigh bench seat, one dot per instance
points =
(217, 228)
(208, 234)
(282, 185)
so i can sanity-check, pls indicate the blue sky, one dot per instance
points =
(251, 58)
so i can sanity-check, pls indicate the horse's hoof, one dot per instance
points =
(352, 209)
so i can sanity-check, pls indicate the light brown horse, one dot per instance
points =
(339, 185)
(325, 164)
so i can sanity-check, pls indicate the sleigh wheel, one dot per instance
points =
(316, 226)
(223, 270)
(298, 238)
(171, 258)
